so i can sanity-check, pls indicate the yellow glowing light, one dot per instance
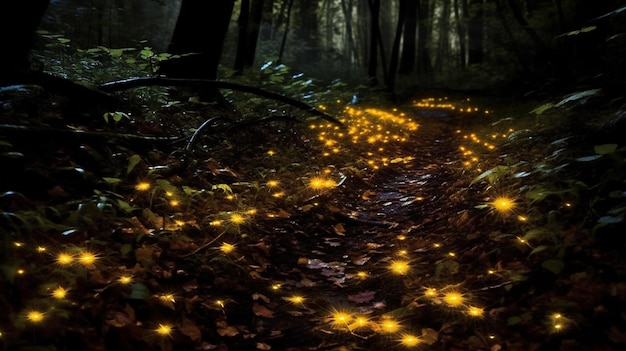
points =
(491, 271)
(169, 194)
(64, 259)
(297, 299)
(271, 152)
(362, 274)
(236, 218)
(451, 254)
(142, 186)
(18, 244)
(317, 183)
(436, 245)
(430, 292)
(220, 303)
(167, 298)
(341, 319)
(279, 194)
(59, 293)
(41, 249)
(230, 197)
(276, 286)
(216, 223)
(522, 218)
(399, 267)
(409, 340)
(87, 258)
(164, 329)
(125, 279)
(475, 311)
(227, 248)
(20, 271)
(35, 316)
(359, 322)
(174, 202)
(453, 299)
(272, 183)
(503, 204)
(389, 326)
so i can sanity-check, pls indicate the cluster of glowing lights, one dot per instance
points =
(444, 104)
(85, 258)
(477, 145)
(321, 183)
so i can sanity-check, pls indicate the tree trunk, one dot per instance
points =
(442, 45)
(18, 22)
(254, 28)
(475, 33)
(350, 48)
(374, 6)
(407, 61)
(242, 40)
(199, 39)
(284, 40)
(395, 49)
(460, 31)
(424, 67)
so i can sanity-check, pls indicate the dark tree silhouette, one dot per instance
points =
(199, 39)
(18, 22)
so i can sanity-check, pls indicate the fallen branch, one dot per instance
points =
(34, 133)
(131, 83)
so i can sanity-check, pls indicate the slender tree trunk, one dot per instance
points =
(374, 6)
(254, 28)
(284, 40)
(460, 31)
(442, 45)
(395, 49)
(475, 32)
(350, 48)
(407, 60)
(424, 66)
(519, 17)
(242, 45)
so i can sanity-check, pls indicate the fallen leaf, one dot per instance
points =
(190, 329)
(262, 311)
(263, 346)
(362, 297)
(339, 229)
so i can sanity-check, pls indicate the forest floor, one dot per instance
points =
(439, 224)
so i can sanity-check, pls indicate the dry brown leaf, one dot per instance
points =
(190, 329)
(430, 336)
(263, 346)
(262, 311)
(339, 229)
(362, 297)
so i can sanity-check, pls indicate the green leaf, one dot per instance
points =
(543, 108)
(605, 149)
(110, 180)
(132, 162)
(139, 291)
(491, 175)
(538, 249)
(554, 265)
(513, 320)
(224, 187)
(588, 158)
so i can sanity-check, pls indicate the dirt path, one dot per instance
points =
(401, 215)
